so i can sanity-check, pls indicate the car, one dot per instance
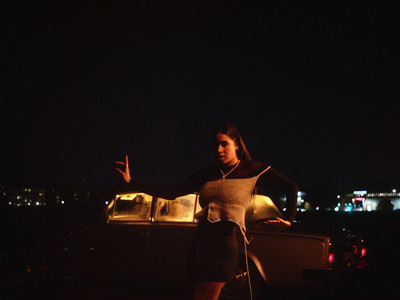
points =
(141, 238)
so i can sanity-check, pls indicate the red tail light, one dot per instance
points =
(330, 258)
(362, 252)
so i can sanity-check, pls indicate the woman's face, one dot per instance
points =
(225, 149)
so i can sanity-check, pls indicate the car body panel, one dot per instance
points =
(282, 258)
(144, 238)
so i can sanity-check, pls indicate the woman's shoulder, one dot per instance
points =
(253, 168)
(256, 165)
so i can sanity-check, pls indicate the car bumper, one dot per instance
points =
(338, 275)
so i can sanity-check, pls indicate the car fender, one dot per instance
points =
(258, 265)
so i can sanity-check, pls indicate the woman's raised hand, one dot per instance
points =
(126, 175)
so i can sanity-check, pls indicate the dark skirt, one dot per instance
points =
(214, 253)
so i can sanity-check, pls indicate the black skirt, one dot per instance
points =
(214, 254)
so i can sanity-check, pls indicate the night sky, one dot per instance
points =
(313, 86)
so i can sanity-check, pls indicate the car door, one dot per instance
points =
(171, 236)
(119, 247)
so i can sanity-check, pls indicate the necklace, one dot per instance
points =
(224, 175)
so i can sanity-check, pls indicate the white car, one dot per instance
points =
(144, 240)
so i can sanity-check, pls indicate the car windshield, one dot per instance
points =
(137, 207)
(131, 207)
(182, 209)
(261, 207)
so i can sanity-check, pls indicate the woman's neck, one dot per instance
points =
(230, 164)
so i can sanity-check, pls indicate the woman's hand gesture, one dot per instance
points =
(126, 175)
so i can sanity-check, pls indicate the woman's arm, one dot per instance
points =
(169, 192)
(190, 185)
(126, 174)
(276, 180)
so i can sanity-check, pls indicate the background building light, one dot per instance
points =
(361, 193)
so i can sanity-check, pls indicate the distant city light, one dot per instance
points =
(348, 208)
(361, 193)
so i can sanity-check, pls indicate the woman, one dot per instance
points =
(225, 191)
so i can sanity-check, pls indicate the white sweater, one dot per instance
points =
(227, 199)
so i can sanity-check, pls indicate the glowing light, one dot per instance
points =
(361, 193)
(363, 251)
(330, 258)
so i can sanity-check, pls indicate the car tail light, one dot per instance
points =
(362, 251)
(331, 258)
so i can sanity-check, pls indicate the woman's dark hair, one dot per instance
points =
(230, 130)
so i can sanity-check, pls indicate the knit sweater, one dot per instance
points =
(227, 199)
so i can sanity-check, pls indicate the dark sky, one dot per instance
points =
(313, 87)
